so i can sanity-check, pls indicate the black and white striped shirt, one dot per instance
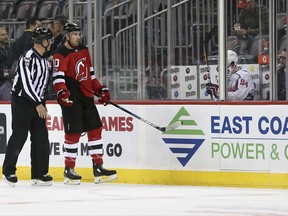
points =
(31, 77)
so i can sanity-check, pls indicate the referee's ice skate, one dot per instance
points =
(10, 179)
(71, 177)
(103, 175)
(45, 180)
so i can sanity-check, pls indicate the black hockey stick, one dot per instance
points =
(163, 129)
(207, 63)
(208, 37)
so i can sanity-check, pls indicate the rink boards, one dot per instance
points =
(219, 144)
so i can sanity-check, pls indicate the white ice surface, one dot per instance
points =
(127, 199)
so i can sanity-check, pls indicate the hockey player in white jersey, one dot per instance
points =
(240, 82)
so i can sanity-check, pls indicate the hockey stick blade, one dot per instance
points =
(173, 126)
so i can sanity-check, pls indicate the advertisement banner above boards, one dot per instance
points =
(213, 137)
(265, 80)
(188, 82)
(184, 82)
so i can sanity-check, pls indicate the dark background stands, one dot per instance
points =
(5, 66)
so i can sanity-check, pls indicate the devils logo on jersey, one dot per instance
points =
(73, 64)
(81, 69)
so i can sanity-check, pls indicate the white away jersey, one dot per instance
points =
(240, 84)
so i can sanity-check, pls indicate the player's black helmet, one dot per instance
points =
(70, 27)
(40, 33)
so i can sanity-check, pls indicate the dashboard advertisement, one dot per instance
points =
(213, 137)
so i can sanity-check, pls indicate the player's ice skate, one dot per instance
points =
(71, 177)
(10, 179)
(45, 180)
(103, 175)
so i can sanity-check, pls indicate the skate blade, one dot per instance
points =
(104, 179)
(8, 182)
(68, 181)
(37, 182)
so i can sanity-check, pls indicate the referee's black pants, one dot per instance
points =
(24, 119)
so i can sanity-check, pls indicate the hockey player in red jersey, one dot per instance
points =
(75, 83)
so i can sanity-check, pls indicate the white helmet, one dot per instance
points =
(232, 57)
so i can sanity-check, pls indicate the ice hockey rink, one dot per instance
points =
(128, 199)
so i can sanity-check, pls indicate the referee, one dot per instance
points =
(29, 112)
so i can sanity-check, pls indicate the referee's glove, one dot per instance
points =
(104, 95)
(63, 98)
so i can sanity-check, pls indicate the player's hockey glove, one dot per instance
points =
(104, 95)
(63, 98)
(212, 89)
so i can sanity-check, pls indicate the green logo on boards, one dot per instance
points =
(185, 140)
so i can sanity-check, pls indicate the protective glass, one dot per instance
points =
(281, 57)
(230, 69)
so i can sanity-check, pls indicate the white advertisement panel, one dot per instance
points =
(213, 137)
(184, 82)
(265, 71)
(120, 138)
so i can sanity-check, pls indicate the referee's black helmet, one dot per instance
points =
(40, 34)
(70, 27)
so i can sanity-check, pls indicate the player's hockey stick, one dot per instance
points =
(208, 37)
(163, 129)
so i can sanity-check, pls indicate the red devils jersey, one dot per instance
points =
(75, 64)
